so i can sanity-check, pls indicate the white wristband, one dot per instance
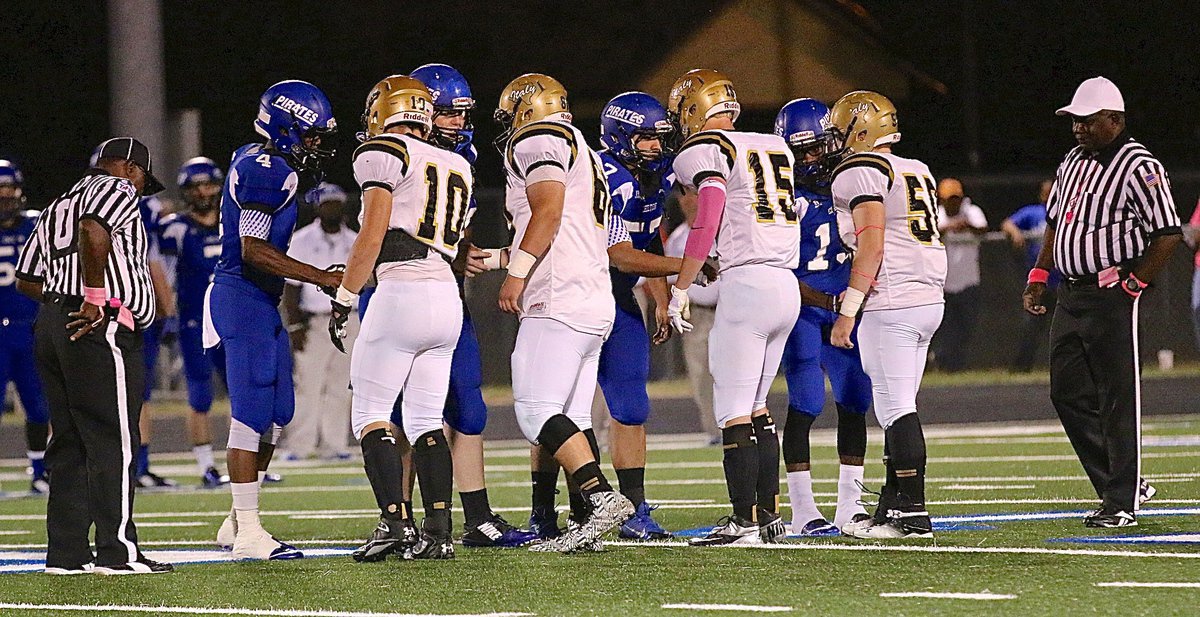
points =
(345, 296)
(492, 261)
(852, 301)
(520, 263)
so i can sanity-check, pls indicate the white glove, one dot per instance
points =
(679, 310)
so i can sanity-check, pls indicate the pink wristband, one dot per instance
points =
(1038, 275)
(95, 295)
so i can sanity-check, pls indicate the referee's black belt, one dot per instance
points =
(1093, 279)
(58, 299)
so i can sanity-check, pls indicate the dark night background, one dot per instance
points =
(220, 56)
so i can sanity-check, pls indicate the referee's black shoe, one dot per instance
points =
(143, 565)
(1106, 519)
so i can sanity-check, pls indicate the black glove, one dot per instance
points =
(338, 316)
(332, 291)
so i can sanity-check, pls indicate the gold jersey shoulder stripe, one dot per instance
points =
(543, 128)
(867, 159)
(714, 138)
(387, 144)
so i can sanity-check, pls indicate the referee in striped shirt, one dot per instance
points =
(86, 262)
(1112, 226)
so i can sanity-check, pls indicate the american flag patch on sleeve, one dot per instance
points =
(1151, 179)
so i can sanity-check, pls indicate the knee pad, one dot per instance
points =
(430, 440)
(555, 431)
(906, 442)
(851, 432)
(888, 417)
(272, 436)
(796, 448)
(532, 417)
(242, 437)
(631, 408)
(738, 436)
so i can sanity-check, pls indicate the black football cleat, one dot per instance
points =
(389, 536)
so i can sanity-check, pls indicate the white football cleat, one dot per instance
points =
(227, 533)
(730, 530)
(859, 521)
(257, 544)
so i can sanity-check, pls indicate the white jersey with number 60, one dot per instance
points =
(760, 224)
(914, 259)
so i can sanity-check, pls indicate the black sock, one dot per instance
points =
(741, 468)
(36, 434)
(580, 506)
(768, 462)
(545, 485)
(476, 508)
(908, 458)
(590, 479)
(633, 484)
(435, 472)
(795, 438)
(382, 463)
(593, 443)
(851, 433)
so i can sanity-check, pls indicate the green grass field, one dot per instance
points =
(974, 470)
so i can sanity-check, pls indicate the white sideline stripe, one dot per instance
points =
(948, 596)
(14, 532)
(199, 610)
(987, 487)
(1045, 516)
(745, 608)
(1014, 550)
(173, 524)
(1151, 585)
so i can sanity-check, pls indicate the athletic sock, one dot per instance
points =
(741, 469)
(37, 463)
(435, 472)
(545, 487)
(633, 484)
(593, 443)
(908, 458)
(204, 457)
(143, 460)
(581, 507)
(245, 504)
(36, 434)
(381, 460)
(476, 508)
(768, 462)
(849, 494)
(590, 480)
(795, 438)
(851, 433)
(800, 494)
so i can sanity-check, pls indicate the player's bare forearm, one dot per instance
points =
(377, 211)
(546, 205)
(656, 288)
(94, 247)
(632, 261)
(688, 271)
(1156, 256)
(868, 226)
(264, 256)
(1045, 258)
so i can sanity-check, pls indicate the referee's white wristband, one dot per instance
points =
(520, 263)
(852, 301)
(345, 296)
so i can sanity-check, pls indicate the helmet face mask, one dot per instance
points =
(451, 96)
(296, 119)
(630, 120)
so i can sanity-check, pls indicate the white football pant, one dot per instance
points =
(893, 344)
(553, 371)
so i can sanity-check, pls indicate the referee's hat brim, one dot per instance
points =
(136, 152)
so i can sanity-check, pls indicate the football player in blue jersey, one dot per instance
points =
(633, 127)
(823, 275)
(17, 314)
(192, 240)
(241, 314)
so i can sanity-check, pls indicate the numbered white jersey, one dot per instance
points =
(431, 197)
(914, 259)
(759, 225)
(570, 283)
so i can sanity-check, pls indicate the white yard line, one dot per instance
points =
(171, 523)
(199, 610)
(987, 487)
(741, 608)
(948, 596)
(1151, 585)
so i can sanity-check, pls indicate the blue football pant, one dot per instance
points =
(625, 368)
(808, 358)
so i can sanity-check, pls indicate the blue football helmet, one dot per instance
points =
(451, 95)
(199, 170)
(804, 124)
(291, 111)
(10, 176)
(635, 114)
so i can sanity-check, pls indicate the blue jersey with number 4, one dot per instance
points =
(263, 181)
(824, 260)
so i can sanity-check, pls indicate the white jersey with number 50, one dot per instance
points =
(759, 225)
(570, 282)
(431, 196)
(914, 259)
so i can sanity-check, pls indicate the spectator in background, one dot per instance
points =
(704, 309)
(961, 224)
(1192, 236)
(322, 422)
(1025, 229)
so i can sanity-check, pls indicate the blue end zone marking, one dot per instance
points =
(1169, 538)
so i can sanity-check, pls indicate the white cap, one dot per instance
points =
(1093, 95)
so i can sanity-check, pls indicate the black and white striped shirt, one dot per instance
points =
(1106, 206)
(51, 255)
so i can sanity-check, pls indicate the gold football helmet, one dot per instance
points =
(863, 120)
(697, 96)
(529, 98)
(398, 99)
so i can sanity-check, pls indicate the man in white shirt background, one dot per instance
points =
(962, 224)
(321, 425)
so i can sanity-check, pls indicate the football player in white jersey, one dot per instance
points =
(743, 183)
(558, 201)
(415, 198)
(896, 282)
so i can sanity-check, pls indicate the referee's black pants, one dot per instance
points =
(1094, 385)
(94, 390)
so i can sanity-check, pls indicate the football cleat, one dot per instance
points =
(143, 565)
(86, 568)
(1146, 492)
(911, 522)
(429, 546)
(642, 526)
(257, 544)
(227, 533)
(389, 536)
(820, 527)
(731, 529)
(862, 520)
(153, 480)
(495, 532)
(213, 478)
(272, 478)
(544, 523)
(1111, 520)
(770, 527)
(40, 485)
(609, 509)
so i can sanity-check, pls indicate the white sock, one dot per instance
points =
(800, 494)
(245, 504)
(204, 457)
(261, 476)
(849, 494)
